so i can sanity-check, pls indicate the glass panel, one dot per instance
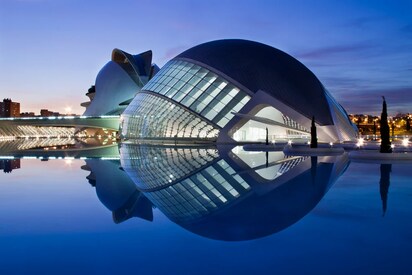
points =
(194, 94)
(218, 106)
(182, 92)
(186, 77)
(179, 74)
(187, 100)
(194, 80)
(223, 122)
(202, 73)
(171, 92)
(220, 83)
(198, 106)
(210, 77)
(209, 113)
(193, 70)
(173, 81)
(203, 85)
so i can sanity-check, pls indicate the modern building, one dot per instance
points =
(222, 192)
(8, 108)
(231, 90)
(118, 82)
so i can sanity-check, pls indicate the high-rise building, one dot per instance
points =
(8, 108)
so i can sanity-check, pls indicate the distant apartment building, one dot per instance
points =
(45, 112)
(27, 114)
(8, 108)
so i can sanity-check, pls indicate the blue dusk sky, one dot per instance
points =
(52, 50)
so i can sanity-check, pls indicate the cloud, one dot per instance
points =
(363, 22)
(369, 101)
(172, 52)
(351, 82)
(327, 52)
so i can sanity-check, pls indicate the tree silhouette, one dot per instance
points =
(385, 142)
(313, 135)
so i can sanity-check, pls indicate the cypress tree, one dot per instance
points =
(385, 142)
(313, 135)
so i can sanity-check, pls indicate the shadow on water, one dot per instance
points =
(384, 182)
(221, 193)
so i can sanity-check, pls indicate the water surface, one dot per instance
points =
(319, 216)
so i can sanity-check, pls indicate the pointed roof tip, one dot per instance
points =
(383, 98)
(115, 54)
(147, 60)
(148, 52)
(141, 63)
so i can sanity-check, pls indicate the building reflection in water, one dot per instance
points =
(59, 147)
(8, 165)
(225, 193)
(117, 191)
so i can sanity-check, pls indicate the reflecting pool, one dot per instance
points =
(204, 210)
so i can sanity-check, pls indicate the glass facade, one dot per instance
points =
(184, 183)
(200, 194)
(210, 99)
(199, 89)
(151, 116)
(153, 167)
(254, 130)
